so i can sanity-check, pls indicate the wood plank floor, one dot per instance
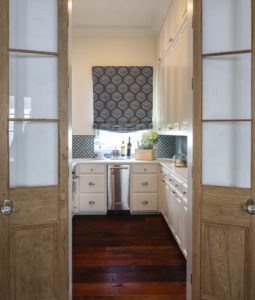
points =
(126, 258)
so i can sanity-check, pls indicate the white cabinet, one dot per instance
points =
(175, 70)
(162, 192)
(144, 188)
(179, 14)
(176, 16)
(175, 212)
(91, 188)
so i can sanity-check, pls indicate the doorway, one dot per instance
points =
(112, 54)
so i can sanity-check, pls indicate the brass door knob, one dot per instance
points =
(250, 206)
(7, 207)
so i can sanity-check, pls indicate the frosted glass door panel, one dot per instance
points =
(33, 154)
(227, 87)
(34, 24)
(33, 86)
(226, 25)
(227, 154)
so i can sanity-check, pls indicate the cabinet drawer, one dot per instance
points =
(92, 168)
(92, 183)
(145, 202)
(92, 202)
(144, 183)
(145, 168)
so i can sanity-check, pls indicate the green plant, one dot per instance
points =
(149, 140)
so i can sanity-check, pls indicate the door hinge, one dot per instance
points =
(191, 278)
(192, 83)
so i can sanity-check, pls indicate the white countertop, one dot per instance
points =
(165, 162)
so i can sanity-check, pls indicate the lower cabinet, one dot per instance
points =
(176, 214)
(92, 202)
(144, 202)
(91, 188)
(144, 188)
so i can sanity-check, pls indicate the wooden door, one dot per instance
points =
(223, 174)
(33, 150)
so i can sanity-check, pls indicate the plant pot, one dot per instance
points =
(145, 154)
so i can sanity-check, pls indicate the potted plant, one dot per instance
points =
(146, 147)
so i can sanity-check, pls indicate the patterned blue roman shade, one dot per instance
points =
(122, 98)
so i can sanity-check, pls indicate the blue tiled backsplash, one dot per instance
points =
(83, 146)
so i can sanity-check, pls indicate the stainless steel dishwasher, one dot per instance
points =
(118, 188)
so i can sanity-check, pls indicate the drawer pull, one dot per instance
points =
(145, 183)
(92, 202)
(91, 183)
(145, 202)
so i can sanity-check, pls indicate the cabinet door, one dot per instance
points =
(185, 86)
(180, 10)
(92, 183)
(144, 183)
(169, 25)
(162, 104)
(177, 219)
(170, 208)
(184, 241)
(175, 82)
(92, 202)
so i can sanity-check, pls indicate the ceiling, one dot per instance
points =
(120, 16)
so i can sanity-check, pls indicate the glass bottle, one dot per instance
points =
(129, 145)
(122, 149)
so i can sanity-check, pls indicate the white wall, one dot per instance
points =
(104, 51)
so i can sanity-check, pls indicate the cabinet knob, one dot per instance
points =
(176, 185)
(145, 183)
(173, 192)
(91, 170)
(170, 40)
(145, 169)
(145, 202)
(184, 193)
(163, 180)
(92, 202)
(91, 183)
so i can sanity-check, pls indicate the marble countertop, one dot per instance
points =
(165, 162)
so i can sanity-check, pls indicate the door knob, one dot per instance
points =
(250, 206)
(7, 207)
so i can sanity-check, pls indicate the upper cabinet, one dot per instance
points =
(175, 69)
(176, 16)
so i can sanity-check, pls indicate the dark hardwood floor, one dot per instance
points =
(126, 258)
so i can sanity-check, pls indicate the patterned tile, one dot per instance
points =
(166, 146)
(83, 146)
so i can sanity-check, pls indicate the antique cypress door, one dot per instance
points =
(33, 150)
(224, 149)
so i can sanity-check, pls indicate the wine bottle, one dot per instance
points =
(122, 149)
(129, 145)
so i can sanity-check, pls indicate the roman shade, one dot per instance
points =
(122, 98)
